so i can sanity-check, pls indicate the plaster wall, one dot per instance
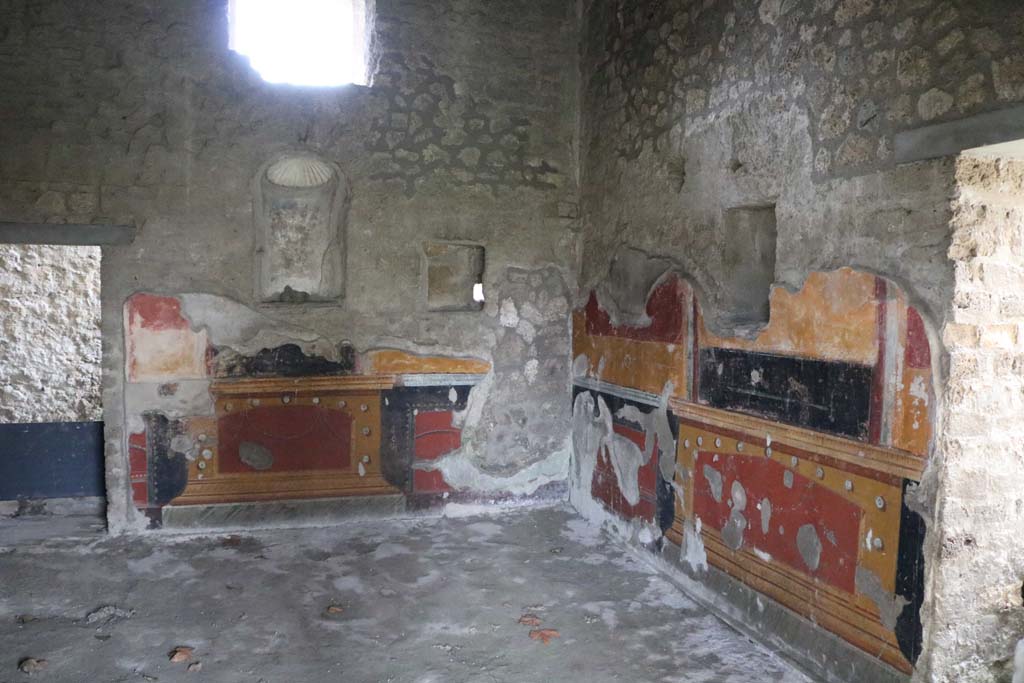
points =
(466, 134)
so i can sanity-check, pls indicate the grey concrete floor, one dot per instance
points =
(422, 601)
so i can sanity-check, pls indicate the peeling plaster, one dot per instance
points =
(626, 459)
(765, 506)
(247, 331)
(889, 606)
(732, 533)
(192, 397)
(809, 545)
(714, 478)
(692, 551)
(461, 473)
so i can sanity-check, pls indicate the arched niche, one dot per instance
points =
(300, 225)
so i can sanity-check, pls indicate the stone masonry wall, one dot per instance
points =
(50, 332)
(980, 567)
(467, 134)
(692, 107)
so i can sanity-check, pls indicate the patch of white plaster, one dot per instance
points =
(580, 366)
(626, 459)
(530, 370)
(461, 473)
(508, 315)
(526, 330)
(693, 552)
(889, 606)
(191, 397)
(236, 326)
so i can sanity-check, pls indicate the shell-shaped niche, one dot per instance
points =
(299, 171)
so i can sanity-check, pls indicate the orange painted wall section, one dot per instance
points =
(832, 318)
(395, 362)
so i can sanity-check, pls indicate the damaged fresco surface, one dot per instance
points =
(226, 404)
(785, 461)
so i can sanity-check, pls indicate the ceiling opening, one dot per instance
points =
(322, 43)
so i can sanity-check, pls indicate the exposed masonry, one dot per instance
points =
(431, 128)
(50, 332)
(864, 69)
(976, 624)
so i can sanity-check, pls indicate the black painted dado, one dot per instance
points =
(910, 579)
(51, 460)
(828, 396)
(398, 430)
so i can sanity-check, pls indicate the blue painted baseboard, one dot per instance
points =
(51, 460)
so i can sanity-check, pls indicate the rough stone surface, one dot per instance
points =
(49, 334)
(979, 555)
(689, 109)
(420, 600)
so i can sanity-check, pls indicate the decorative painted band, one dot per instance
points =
(635, 395)
(302, 385)
(898, 464)
(439, 379)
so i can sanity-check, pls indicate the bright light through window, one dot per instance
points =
(303, 42)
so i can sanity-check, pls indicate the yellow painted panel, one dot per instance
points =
(641, 365)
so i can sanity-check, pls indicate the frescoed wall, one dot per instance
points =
(790, 453)
(247, 420)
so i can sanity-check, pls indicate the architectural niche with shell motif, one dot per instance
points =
(300, 215)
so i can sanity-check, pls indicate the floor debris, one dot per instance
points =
(181, 653)
(31, 665)
(195, 667)
(335, 609)
(107, 614)
(544, 635)
(530, 620)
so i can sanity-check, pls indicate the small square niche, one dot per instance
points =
(454, 276)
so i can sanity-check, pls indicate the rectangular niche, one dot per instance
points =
(454, 276)
(300, 252)
(749, 241)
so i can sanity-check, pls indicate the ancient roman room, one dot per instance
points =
(512, 341)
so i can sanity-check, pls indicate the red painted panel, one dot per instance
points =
(875, 417)
(137, 440)
(157, 312)
(137, 465)
(434, 436)
(605, 485)
(835, 519)
(432, 481)
(299, 437)
(664, 308)
(138, 468)
(919, 351)
(140, 494)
